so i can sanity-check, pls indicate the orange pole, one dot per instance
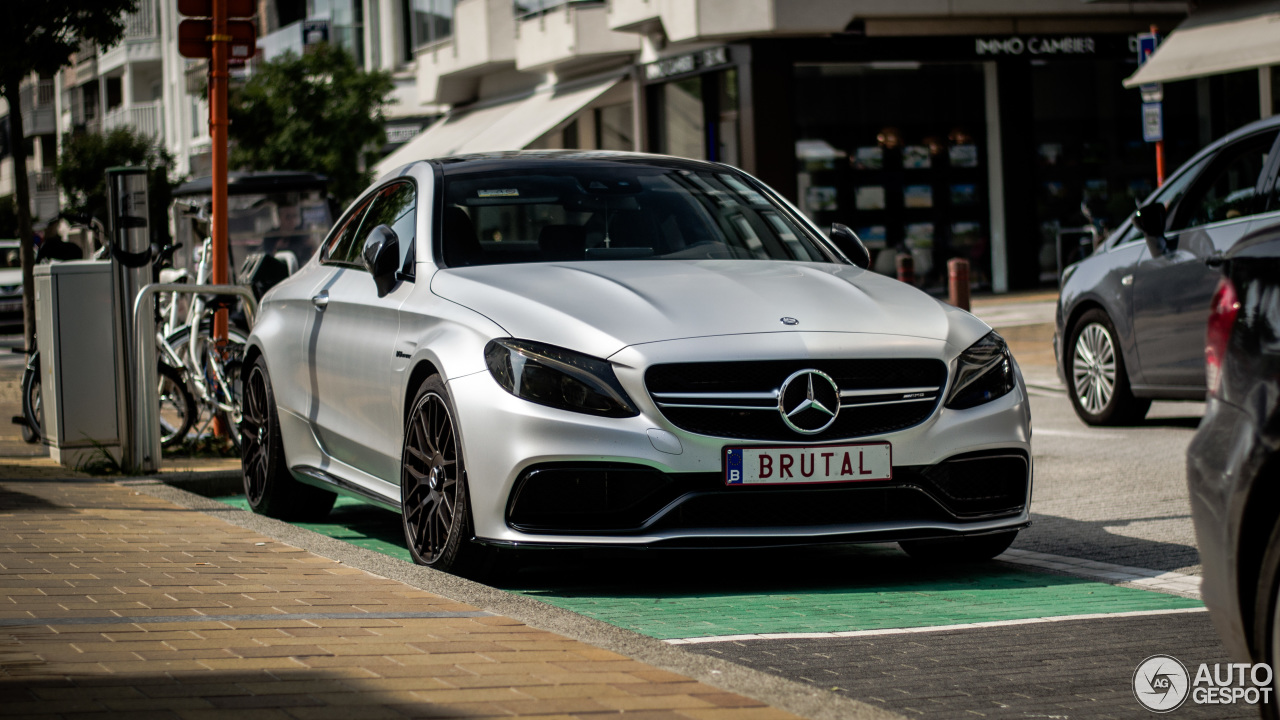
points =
(220, 41)
(1155, 32)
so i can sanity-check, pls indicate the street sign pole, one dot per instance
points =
(1152, 96)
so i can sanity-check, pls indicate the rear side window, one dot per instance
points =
(340, 247)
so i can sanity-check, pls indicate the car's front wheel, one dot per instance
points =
(268, 485)
(1096, 378)
(433, 484)
(962, 549)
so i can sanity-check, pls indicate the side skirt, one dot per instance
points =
(328, 481)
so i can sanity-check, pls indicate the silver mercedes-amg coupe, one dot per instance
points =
(568, 349)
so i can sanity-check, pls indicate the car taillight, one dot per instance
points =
(1222, 316)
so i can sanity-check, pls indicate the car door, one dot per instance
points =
(350, 346)
(1171, 293)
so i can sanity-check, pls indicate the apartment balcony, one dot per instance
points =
(141, 39)
(37, 108)
(145, 118)
(568, 35)
(640, 16)
(483, 42)
(44, 195)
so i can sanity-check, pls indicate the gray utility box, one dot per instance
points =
(78, 364)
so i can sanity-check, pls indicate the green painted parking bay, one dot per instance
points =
(684, 594)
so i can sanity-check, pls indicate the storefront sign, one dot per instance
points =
(1073, 45)
(688, 63)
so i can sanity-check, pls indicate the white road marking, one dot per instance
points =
(1170, 582)
(929, 628)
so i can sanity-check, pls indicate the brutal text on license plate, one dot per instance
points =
(790, 464)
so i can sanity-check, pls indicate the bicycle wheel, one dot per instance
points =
(177, 407)
(32, 406)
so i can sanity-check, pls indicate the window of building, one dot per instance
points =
(613, 127)
(697, 117)
(346, 22)
(429, 21)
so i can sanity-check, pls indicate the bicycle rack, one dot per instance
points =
(143, 450)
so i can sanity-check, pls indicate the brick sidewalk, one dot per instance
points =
(120, 602)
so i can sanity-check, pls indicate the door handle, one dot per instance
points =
(321, 301)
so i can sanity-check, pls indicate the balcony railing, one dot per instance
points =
(42, 181)
(144, 118)
(142, 23)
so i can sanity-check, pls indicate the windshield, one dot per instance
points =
(566, 212)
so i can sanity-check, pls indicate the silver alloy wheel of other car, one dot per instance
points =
(433, 494)
(1093, 368)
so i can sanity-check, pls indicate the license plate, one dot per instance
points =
(793, 465)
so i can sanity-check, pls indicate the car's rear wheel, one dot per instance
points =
(433, 485)
(962, 549)
(268, 485)
(1096, 378)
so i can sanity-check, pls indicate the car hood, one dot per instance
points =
(601, 307)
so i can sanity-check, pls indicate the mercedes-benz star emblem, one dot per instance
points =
(789, 321)
(809, 401)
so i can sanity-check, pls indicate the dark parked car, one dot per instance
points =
(1233, 468)
(1131, 317)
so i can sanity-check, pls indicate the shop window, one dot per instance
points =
(613, 127)
(428, 21)
(897, 154)
(697, 117)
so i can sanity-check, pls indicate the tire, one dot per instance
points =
(963, 549)
(32, 402)
(434, 502)
(1266, 619)
(1097, 380)
(177, 407)
(268, 485)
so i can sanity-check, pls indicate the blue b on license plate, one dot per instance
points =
(796, 465)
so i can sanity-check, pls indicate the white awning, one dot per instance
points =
(1201, 47)
(508, 126)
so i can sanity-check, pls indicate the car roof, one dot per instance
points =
(525, 159)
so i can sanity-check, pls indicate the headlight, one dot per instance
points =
(558, 378)
(984, 372)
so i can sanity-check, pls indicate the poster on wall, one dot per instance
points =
(965, 234)
(916, 157)
(919, 236)
(869, 197)
(821, 198)
(868, 158)
(873, 236)
(964, 194)
(917, 196)
(964, 156)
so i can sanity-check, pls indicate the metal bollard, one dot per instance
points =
(958, 282)
(906, 268)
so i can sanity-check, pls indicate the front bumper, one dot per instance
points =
(506, 439)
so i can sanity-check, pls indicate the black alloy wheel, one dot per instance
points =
(268, 485)
(433, 487)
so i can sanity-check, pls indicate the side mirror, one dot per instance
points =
(849, 244)
(1151, 220)
(381, 256)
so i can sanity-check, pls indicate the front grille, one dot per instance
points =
(739, 400)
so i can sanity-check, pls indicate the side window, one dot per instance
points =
(394, 207)
(1228, 189)
(340, 246)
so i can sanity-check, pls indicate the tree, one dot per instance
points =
(319, 112)
(82, 171)
(39, 37)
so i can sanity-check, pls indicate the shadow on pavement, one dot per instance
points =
(1091, 540)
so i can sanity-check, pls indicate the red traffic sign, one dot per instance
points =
(204, 8)
(194, 39)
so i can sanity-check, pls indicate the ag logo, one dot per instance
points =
(1161, 683)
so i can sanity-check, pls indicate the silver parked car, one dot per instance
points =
(569, 349)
